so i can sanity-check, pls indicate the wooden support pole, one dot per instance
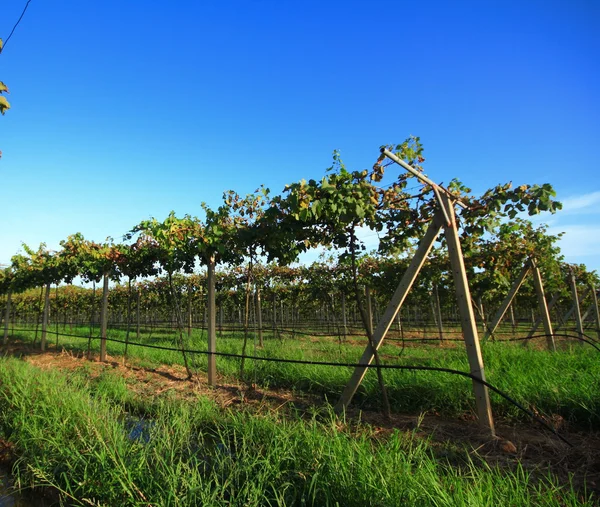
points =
(392, 309)
(507, 301)
(7, 317)
(544, 312)
(513, 321)
(595, 309)
(189, 310)
(538, 321)
(481, 311)
(137, 315)
(576, 305)
(369, 309)
(45, 317)
(569, 314)
(104, 318)
(468, 323)
(344, 320)
(259, 321)
(438, 311)
(211, 324)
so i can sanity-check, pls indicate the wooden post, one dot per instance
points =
(344, 320)
(369, 309)
(569, 314)
(259, 317)
(545, 313)
(137, 315)
(481, 311)
(438, 311)
(595, 309)
(189, 311)
(392, 309)
(513, 321)
(274, 312)
(104, 318)
(538, 321)
(45, 317)
(576, 305)
(211, 324)
(507, 301)
(7, 316)
(469, 325)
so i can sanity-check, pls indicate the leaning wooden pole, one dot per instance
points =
(438, 311)
(7, 316)
(369, 309)
(212, 321)
(578, 319)
(538, 321)
(569, 314)
(507, 301)
(259, 321)
(344, 319)
(104, 318)
(595, 309)
(468, 323)
(45, 317)
(545, 313)
(392, 310)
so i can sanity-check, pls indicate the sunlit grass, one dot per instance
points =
(561, 383)
(71, 432)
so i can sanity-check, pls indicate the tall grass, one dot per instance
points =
(562, 383)
(71, 433)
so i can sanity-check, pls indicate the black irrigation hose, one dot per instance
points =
(356, 365)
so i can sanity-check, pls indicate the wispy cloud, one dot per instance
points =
(578, 240)
(584, 203)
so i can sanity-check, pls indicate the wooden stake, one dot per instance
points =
(259, 317)
(45, 317)
(211, 324)
(576, 305)
(595, 309)
(468, 323)
(438, 311)
(344, 320)
(369, 308)
(545, 313)
(104, 318)
(137, 316)
(189, 310)
(538, 321)
(507, 301)
(569, 314)
(7, 316)
(392, 309)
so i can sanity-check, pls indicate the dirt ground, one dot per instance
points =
(536, 449)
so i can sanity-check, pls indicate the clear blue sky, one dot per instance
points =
(126, 110)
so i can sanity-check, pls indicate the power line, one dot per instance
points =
(14, 27)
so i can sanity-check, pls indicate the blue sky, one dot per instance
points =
(126, 110)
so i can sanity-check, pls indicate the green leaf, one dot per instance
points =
(3, 87)
(4, 105)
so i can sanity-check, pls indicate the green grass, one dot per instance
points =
(562, 383)
(70, 432)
